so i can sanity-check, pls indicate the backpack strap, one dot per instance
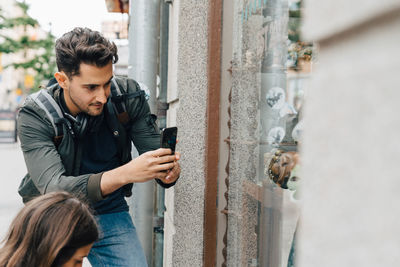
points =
(47, 103)
(117, 110)
(118, 100)
(118, 103)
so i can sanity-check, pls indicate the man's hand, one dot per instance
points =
(173, 174)
(149, 165)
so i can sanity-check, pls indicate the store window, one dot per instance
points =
(271, 67)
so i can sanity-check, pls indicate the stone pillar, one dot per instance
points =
(187, 98)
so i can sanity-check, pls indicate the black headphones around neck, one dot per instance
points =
(79, 124)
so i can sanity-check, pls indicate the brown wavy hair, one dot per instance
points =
(83, 45)
(48, 231)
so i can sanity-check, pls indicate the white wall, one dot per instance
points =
(351, 132)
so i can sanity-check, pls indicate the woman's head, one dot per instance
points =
(48, 231)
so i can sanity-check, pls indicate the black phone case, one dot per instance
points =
(168, 138)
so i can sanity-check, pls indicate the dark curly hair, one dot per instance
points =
(83, 45)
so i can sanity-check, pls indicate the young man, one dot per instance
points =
(87, 151)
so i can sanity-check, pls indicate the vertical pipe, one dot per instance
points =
(158, 253)
(163, 66)
(143, 42)
(143, 52)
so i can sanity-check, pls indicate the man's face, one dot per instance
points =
(88, 91)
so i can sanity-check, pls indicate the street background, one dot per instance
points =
(12, 170)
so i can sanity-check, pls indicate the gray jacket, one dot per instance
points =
(56, 168)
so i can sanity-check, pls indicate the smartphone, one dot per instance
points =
(168, 138)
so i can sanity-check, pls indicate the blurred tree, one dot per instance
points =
(38, 56)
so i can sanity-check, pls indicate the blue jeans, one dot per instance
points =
(119, 244)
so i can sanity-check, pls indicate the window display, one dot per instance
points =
(270, 73)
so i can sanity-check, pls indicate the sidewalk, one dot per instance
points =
(12, 169)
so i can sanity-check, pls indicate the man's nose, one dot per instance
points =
(103, 95)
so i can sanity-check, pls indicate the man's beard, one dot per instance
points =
(87, 109)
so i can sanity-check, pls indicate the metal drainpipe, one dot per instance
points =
(143, 53)
(158, 223)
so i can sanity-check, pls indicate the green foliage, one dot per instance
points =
(297, 49)
(294, 29)
(8, 23)
(41, 60)
(294, 22)
(44, 64)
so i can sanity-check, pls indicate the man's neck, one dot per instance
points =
(63, 103)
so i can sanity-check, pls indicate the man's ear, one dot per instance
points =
(62, 79)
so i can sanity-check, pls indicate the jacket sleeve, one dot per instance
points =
(44, 164)
(144, 131)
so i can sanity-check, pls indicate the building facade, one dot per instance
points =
(236, 99)
(115, 29)
(240, 91)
